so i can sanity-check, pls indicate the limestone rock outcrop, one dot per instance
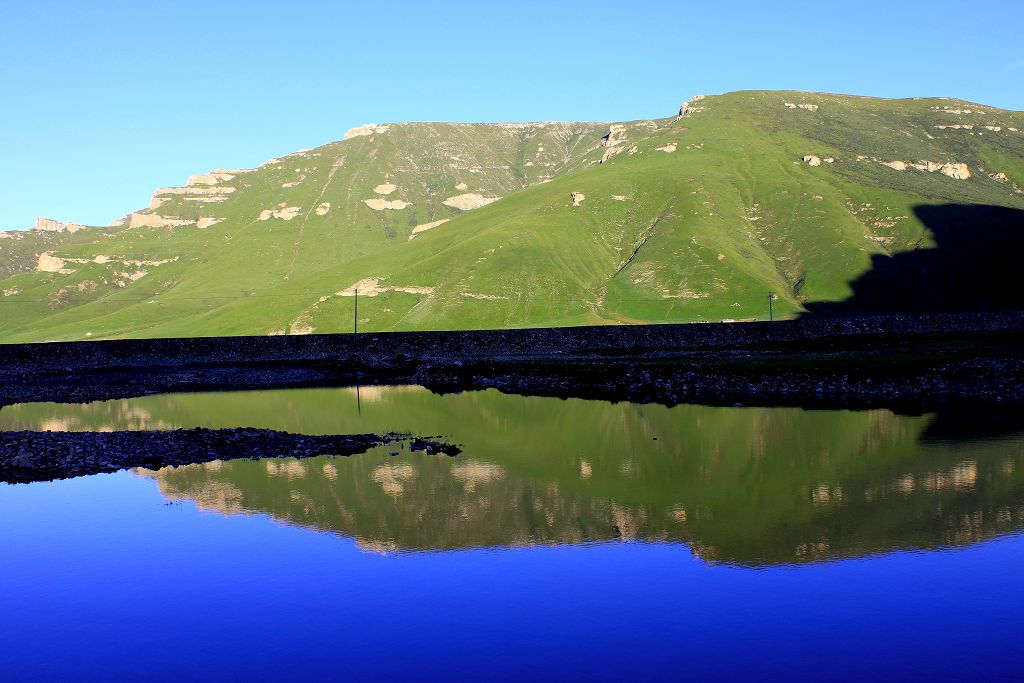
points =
(191, 193)
(378, 204)
(610, 152)
(616, 135)
(285, 213)
(152, 220)
(423, 227)
(469, 201)
(211, 178)
(577, 198)
(48, 263)
(687, 108)
(365, 130)
(955, 170)
(51, 225)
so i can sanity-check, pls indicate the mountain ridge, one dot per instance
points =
(690, 217)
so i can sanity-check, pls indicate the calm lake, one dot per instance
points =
(571, 540)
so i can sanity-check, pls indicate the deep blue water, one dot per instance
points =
(104, 580)
(572, 540)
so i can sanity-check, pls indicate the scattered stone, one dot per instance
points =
(811, 160)
(433, 447)
(43, 456)
(670, 147)
(385, 189)
(611, 152)
(464, 186)
(286, 214)
(577, 198)
(953, 110)
(323, 209)
(483, 297)
(619, 197)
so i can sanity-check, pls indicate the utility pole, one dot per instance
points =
(771, 314)
(355, 315)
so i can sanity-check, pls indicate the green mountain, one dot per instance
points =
(452, 226)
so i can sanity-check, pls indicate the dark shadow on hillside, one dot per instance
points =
(975, 265)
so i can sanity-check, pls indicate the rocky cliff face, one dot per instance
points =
(50, 225)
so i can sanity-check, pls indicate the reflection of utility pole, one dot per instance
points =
(355, 315)
(359, 405)
(771, 314)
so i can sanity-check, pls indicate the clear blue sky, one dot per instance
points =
(102, 102)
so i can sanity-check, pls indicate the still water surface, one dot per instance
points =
(571, 540)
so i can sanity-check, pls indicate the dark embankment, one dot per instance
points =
(909, 362)
(44, 456)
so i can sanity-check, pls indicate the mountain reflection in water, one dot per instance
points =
(737, 485)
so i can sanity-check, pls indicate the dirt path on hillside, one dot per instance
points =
(338, 163)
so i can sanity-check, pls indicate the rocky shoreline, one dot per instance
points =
(905, 363)
(969, 365)
(44, 456)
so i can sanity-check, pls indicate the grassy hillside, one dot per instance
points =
(695, 217)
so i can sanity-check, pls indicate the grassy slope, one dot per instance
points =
(704, 232)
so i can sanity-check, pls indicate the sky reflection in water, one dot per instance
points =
(572, 539)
